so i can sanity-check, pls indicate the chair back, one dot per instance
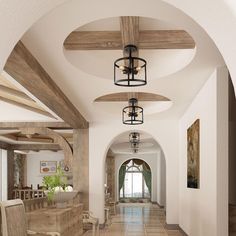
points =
(13, 218)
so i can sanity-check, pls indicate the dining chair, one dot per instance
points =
(14, 222)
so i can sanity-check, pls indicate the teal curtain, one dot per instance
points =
(147, 175)
(122, 176)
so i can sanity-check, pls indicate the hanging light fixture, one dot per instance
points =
(134, 137)
(130, 71)
(132, 114)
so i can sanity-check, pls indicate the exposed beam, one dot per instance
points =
(4, 145)
(111, 40)
(17, 125)
(165, 39)
(93, 40)
(25, 139)
(14, 92)
(33, 147)
(129, 27)
(26, 70)
(33, 109)
(125, 96)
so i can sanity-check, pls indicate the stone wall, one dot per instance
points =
(110, 173)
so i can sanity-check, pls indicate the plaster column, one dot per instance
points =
(10, 173)
(81, 164)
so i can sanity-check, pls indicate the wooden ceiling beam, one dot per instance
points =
(129, 27)
(27, 71)
(125, 96)
(111, 40)
(32, 147)
(17, 125)
(14, 92)
(4, 145)
(24, 106)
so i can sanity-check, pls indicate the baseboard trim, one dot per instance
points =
(175, 227)
(172, 226)
(182, 232)
(160, 205)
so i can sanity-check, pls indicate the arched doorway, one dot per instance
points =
(135, 181)
(135, 177)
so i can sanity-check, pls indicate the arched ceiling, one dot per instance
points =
(181, 87)
(121, 144)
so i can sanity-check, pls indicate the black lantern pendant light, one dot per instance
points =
(132, 114)
(130, 71)
(134, 137)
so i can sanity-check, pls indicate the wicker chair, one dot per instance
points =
(14, 220)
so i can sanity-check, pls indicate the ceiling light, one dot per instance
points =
(130, 71)
(132, 114)
(134, 137)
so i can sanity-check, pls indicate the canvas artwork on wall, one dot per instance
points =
(193, 155)
(48, 167)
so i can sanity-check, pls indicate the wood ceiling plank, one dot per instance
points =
(165, 39)
(129, 27)
(93, 40)
(111, 40)
(33, 109)
(27, 71)
(4, 145)
(32, 147)
(14, 92)
(17, 125)
(125, 96)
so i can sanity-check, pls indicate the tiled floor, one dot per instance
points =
(137, 220)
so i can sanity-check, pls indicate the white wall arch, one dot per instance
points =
(101, 137)
(213, 17)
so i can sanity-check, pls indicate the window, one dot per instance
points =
(133, 181)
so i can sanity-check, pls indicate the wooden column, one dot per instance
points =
(81, 164)
(10, 172)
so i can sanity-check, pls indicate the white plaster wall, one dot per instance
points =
(33, 165)
(150, 159)
(200, 210)
(3, 175)
(165, 132)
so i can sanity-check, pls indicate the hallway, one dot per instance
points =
(137, 220)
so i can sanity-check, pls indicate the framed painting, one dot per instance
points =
(48, 167)
(62, 165)
(193, 155)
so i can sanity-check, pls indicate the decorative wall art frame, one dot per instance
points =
(193, 155)
(48, 167)
(62, 165)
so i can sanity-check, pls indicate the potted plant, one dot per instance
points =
(56, 189)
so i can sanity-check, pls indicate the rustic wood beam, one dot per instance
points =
(165, 39)
(4, 145)
(26, 70)
(32, 147)
(129, 27)
(125, 96)
(24, 106)
(26, 139)
(111, 40)
(14, 92)
(17, 125)
(93, 40)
